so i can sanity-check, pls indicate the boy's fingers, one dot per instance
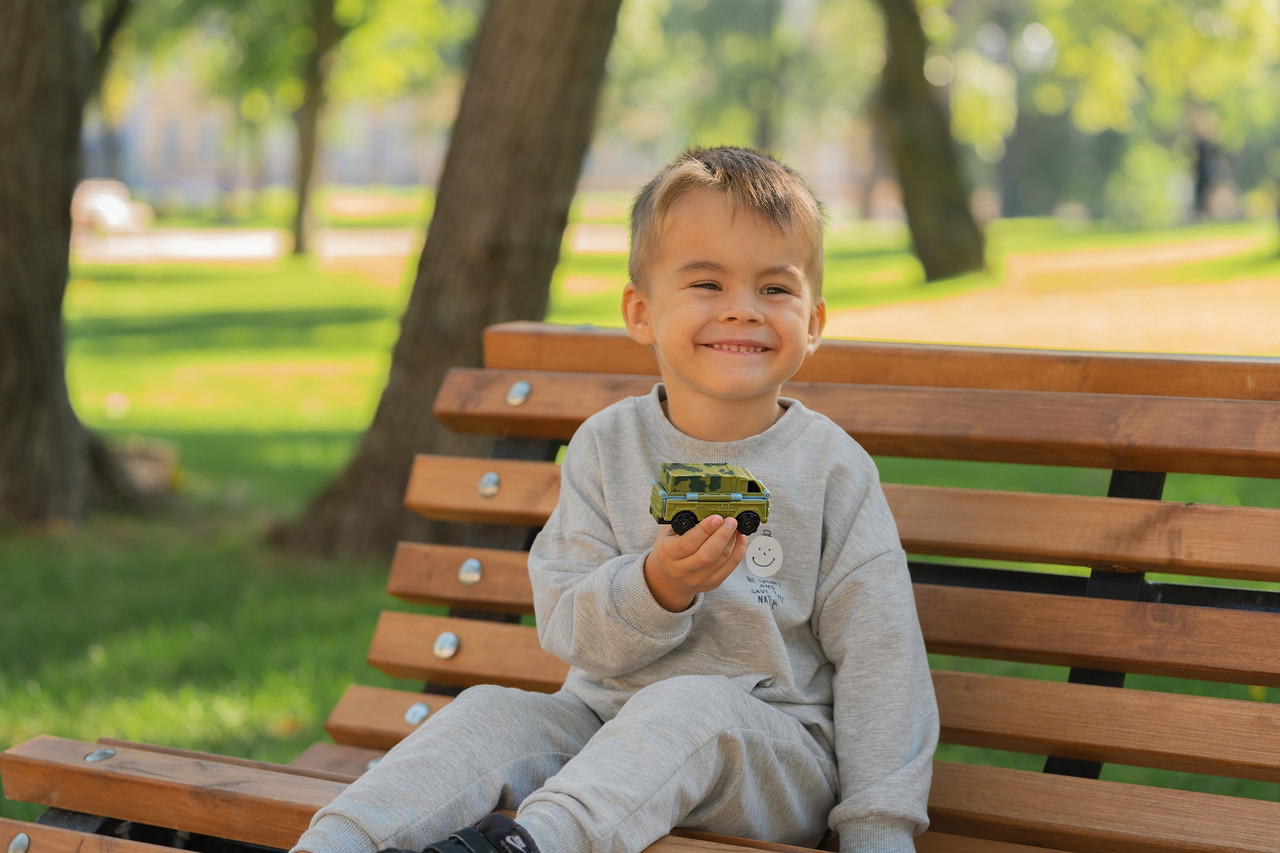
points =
(692, 541)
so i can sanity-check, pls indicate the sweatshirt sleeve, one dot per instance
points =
(886, 716)
(594, 609)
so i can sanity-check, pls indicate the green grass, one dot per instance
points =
(183, 628)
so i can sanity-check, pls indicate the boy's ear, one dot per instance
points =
(635, 313)
(817, 322)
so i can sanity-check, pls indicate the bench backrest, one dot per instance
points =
(1038, 600)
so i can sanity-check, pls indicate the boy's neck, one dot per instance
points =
(722, 420)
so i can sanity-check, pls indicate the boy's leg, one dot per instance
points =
(487, 749)
(692, 751)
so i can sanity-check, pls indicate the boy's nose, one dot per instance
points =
(742, 310)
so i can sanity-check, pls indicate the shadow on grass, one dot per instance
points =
(180, 630)
(261, 329)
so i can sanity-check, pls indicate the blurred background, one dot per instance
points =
(228, 231)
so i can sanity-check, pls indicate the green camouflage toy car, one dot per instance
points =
(687, 492)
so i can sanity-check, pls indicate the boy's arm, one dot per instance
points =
(886, 716)
(594, 608)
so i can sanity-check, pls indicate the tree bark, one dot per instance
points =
(917, 130)
(51, 467)
(522, 131)
(315, 78)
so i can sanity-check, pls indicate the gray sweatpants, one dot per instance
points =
(691, 751)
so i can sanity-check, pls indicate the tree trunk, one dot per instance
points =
(315, 77)
(518, 143)
(916, 128)
(51, 468)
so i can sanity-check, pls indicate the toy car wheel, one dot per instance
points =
(684, 522)
(748, 522)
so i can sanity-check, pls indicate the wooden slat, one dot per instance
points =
(1113, 431)
(447, 488)
(489, 653)
(1213, 541)
(208, 797)
(1156, 639)
(548, 347)
(1168, 434)
(1161, 536)
(346, 761)
(47, 839)
(472, 400)
(428, 574)
(195, 755)
(938, 842)
(1093, 816)
(1195, 734)
(249, 804)
(375, 717)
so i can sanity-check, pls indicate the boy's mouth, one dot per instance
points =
(731, 346)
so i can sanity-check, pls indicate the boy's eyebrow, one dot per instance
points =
(787, 270)
(701, 266)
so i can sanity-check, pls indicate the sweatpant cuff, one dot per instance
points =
(553, 828)
(334, 834)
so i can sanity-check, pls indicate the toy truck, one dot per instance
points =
(687, 492)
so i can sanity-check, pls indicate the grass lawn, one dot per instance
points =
(182, 627)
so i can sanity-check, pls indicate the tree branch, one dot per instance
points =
(111, 24)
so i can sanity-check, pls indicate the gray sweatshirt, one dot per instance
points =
(832, 638)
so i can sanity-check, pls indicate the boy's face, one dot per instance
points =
(728, 306)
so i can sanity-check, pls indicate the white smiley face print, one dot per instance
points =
(764, 556)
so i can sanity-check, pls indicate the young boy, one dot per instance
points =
(767, 687)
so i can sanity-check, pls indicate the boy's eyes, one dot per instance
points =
(768, 290)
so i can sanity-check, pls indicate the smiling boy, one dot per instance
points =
(772, 703)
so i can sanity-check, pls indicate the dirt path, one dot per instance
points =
(1036, 309)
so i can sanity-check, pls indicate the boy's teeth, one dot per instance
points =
(738, 348)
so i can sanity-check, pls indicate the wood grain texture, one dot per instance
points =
(429, 574)
(47, 839)
(1179, 538)
(1221, 737)
(1124, 636)
(549, 347)
(1132, 432)
(375, 717)
(489, 652)
(1091, 816)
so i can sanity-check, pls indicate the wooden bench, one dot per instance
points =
(1153, 649)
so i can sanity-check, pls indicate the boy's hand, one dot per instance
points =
(680, 567)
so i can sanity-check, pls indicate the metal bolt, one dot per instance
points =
(100, 755)
(470, 572)
(518, 393)
(446, 645)
(417, 712)
(20, 843)
(490, 483)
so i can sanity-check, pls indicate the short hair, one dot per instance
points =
(750, 180)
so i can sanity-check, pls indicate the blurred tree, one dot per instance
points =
(522, 130)
(1114, 105)
(283, 56)
(52, 469)
(715, 72)
(735, 70)
(914, 120)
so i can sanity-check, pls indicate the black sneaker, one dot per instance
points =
(497, 833)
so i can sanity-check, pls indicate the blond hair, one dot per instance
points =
(750, 181)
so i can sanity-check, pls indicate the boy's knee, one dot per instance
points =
(690, 697)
